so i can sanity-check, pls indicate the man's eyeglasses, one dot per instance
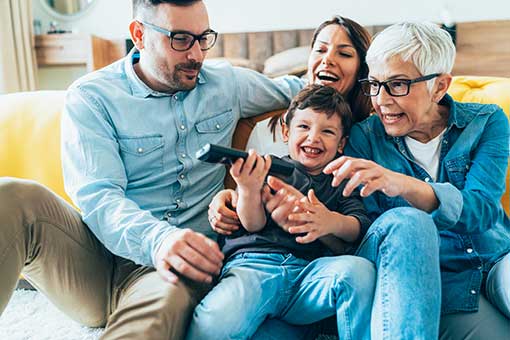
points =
(394, 87)
(183, 41)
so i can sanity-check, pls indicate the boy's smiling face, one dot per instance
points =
(314, 139)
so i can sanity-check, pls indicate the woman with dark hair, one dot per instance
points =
(337, 59)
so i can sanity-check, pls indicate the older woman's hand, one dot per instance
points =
(282, 203)
(370, 175)
(222, 215)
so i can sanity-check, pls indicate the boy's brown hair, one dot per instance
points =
(322, 99)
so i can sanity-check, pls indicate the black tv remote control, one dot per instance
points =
(213, 153)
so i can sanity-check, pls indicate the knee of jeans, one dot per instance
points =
(408, 224)
(358, 273)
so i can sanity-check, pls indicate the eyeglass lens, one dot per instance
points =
(394, 87)
(184, 41)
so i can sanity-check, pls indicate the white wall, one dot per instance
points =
(110, 18)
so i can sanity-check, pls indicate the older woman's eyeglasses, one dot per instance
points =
(394, 87)
(183, 41)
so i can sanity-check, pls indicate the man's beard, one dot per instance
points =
(177, 77)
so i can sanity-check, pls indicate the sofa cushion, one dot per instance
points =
(486, 90)
(292, 61)
(30, 137)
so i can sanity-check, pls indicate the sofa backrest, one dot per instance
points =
(30, 129)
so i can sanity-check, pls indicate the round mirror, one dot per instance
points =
(67, 9)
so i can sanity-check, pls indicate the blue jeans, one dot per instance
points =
(403, 243)
(497, 287)
(254, 287)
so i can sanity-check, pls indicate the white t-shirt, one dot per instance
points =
(426, 154)
(261, 140)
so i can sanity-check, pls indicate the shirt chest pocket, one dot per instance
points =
(216, 129)
(457, 169)
(142, 156)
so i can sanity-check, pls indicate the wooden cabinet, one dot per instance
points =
(76, 49)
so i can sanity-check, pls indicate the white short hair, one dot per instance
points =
(426, 45)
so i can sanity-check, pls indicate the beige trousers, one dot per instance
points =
(44, 238)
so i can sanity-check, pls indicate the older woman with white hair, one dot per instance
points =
(432, 173)
(426, 162)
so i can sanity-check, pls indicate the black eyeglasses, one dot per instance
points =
(394, 87)
(183, 41)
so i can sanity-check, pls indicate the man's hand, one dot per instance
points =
(190, 254)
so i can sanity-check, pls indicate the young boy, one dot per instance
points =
(271, 273)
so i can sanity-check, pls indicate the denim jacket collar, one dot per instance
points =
(138, 87)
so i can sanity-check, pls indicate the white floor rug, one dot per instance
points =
(30, 316)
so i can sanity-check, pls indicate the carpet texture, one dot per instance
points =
(30, 316)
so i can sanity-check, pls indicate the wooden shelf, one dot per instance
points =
(76, 49)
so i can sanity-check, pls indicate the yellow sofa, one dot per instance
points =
(30, 129)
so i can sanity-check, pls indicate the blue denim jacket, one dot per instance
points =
(474, 229)
(128, 152)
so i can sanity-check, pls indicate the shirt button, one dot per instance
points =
(168, 215)
(139, 150)
(177, 201)
(183, 155)
(472, 291)
(218, 126)
(182, 127)
(467, 167)
(427, 179)
(469, 250)
(181, 176)
(479, 268)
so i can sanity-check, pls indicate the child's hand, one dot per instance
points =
(317, 220)
(250, 174)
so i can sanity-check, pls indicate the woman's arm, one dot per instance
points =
(373, 177)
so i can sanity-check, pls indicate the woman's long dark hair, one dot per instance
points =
(361, 105)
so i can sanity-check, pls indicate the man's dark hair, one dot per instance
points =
(138, 5)
(322, 99)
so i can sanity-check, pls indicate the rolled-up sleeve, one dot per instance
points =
(476, 207)
(95, 179)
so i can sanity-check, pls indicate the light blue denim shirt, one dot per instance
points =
(128, 152)
(474, 229)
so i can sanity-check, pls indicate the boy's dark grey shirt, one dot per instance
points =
(273, 239)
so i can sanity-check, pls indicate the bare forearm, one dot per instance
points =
(251, 211)
(419, 194)
(348, 227)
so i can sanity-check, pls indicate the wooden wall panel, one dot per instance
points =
(283, 40)
(260, 46)
(305, 37)
(483, 49)
(235, 45)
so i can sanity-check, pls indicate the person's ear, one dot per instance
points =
(341, 145)
(441, 86)
(285, 132)
(136, 32)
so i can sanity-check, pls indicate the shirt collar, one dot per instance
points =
(138, 87)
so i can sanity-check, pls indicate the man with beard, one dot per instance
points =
(129, 135)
